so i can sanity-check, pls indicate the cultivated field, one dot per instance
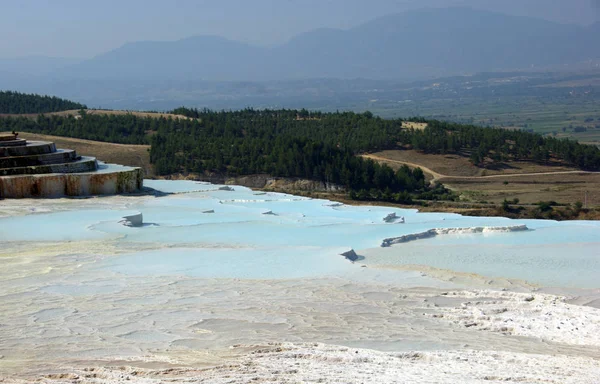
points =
(531, 189)
(547, 117)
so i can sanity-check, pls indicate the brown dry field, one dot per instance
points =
(75, 112)
(413, 125)
(455, 165)
(124, 154)
(528, 182)
(562, 188)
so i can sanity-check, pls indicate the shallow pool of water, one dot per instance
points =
(208, 231)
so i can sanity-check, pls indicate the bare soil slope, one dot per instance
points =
(75, 112)
(413, 125)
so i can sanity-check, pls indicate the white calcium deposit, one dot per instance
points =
(239, 296)
(450, 231)
(318, 363)
(546, 317)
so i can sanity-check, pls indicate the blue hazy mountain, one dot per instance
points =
(197, 57)
(312, 69)
(423, 43)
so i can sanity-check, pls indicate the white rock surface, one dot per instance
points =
(69, 314)
(319, 363)
(450, 231)
(547, 317)
(136, 220)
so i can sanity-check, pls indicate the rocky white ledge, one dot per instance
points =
(450, 231)
(392, 218)
(136, 220)
(107, 180)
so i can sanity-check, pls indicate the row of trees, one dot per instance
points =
(284, 157)
(317, 146)
(283, 143)
(498, 145)
(288, 143)
(125, 129)
(346, 130)
(15, 102)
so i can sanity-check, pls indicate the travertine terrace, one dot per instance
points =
(38, 169)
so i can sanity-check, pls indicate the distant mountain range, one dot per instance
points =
(429, 42)
(413, 45)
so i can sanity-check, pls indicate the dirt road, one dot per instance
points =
(438, 176)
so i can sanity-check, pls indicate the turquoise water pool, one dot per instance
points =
(203, 231)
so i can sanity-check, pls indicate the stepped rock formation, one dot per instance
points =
(38, 169)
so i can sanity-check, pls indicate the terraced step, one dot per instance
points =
(58, 157)
(13, 143)
(7, 137)
(107, 180)
(38, 169)
(85, 164)
(30, 148)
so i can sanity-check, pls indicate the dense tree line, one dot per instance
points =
(495, 145)
(312, 145)
(125, 129)
(289, 143)
(346, 130)
(288, 157)
(193, 113)
(282, 143)
(15, 102)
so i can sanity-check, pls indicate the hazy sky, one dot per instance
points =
(84, 28)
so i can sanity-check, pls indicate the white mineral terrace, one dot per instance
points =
(200, 285)
(38, 169)
(449, 231)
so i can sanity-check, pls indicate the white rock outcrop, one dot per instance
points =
(450, 231)
(136, 220)
(393, 218)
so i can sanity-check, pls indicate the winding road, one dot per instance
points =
(439, 176)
